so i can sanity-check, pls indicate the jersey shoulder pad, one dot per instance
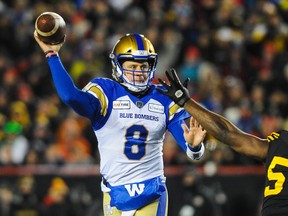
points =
(101, 88)
(103, 84)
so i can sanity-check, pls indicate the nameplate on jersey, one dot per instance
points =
(121, 104)
(155, 108)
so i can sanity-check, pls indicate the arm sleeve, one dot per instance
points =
(176, 130)
(193, 153)
(81, 102)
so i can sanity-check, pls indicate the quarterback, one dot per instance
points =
(130, 118)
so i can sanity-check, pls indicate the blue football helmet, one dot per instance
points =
(133, 47)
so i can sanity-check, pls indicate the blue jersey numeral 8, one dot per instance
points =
(136, 137)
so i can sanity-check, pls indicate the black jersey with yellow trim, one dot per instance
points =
(275, 200)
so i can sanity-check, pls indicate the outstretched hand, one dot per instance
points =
(47, 47)
(195, 134)
(177, 91)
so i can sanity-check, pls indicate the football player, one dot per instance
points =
(130, 118)
(273, 150)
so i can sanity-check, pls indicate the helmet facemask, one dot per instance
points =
(135, 48)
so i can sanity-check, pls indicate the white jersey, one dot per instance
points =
(130, 131)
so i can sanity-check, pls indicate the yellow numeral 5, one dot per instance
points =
(275, 176)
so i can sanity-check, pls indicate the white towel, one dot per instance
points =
(128, 213)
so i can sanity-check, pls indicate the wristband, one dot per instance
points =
(195, 153)
(50, 53)
(194, 149)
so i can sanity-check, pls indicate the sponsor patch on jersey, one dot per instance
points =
(155, 108)
(121, 104)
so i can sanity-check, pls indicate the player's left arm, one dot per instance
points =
(190, 139)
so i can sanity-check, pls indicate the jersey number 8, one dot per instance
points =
(135, 144)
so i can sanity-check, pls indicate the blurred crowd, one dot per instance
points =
(233, 51)
(59, 199)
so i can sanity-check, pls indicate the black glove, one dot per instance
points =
(177, 91)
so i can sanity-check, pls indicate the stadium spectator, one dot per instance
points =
(26, 200)
(56, 201)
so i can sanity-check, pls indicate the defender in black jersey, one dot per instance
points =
(273, 150)
(276, 188)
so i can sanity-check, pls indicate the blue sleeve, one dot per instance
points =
(176, 130)
(81, 102)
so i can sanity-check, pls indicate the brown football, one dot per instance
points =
(50, 28)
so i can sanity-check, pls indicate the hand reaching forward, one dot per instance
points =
(176, 91)
(195, 135)
(48, 47)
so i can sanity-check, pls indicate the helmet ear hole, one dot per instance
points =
(151, 63)
(121, 61)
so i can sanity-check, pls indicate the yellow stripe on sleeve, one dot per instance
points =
(102, 98)
(172, 110)
(273, 136)
(276, 135)
(270, 138)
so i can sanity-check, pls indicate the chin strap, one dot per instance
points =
(137, 94)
